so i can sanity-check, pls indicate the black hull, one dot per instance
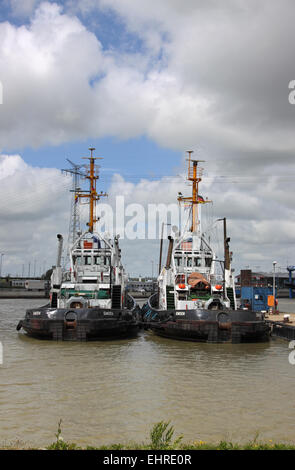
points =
(83, 324)
(201, 325)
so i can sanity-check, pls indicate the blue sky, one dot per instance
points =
(105, 23)
(123, 156)
(143, 82)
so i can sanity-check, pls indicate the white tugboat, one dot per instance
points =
(90, 301)
(193, 302)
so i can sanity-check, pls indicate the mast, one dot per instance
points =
(92, 193)
(226, 247)
(195, 176)
(74, 225)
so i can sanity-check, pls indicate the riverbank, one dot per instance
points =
(22, 294)
(161, 438)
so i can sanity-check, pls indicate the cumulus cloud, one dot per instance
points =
(34, 207)
(45, 69)
(215, 75)
(212, 76)
(222, 73)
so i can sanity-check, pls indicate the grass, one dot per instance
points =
(161, 438)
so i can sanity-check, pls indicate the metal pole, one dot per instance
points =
(274, 285)
(290, 282)
(169, 254)
(195, 220)
(161, 247)
(92, 216)
(225, 266)
(2, 254)
(59, 250)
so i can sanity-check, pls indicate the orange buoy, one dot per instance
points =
(181, 286)
(218, 287)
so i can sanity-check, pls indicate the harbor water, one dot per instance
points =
(111, 392)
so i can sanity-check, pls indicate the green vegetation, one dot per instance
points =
(5, 282)
(60, 444)
(161, 438)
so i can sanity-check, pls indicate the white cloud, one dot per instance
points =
(45, 70)
(234, 57)
(34, 207)
(214, 74)
(209, 75)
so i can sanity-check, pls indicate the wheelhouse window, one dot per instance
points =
(107, 261)
(189, 262)
(102, 260)
(77, 260)
(208, 262)
(87, 260)
(197, 262)
(97, 260)
(178, 261)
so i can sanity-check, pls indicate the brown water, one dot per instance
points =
(108, 392)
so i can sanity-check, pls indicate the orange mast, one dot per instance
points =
(91, 194)
(194, 175)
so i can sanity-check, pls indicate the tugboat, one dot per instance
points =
(192, 301)
(88, 302)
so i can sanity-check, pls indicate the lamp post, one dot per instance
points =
(274, 285)
(2, 254)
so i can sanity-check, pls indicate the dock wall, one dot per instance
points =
(282, 330)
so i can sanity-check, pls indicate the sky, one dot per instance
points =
(143, 82)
